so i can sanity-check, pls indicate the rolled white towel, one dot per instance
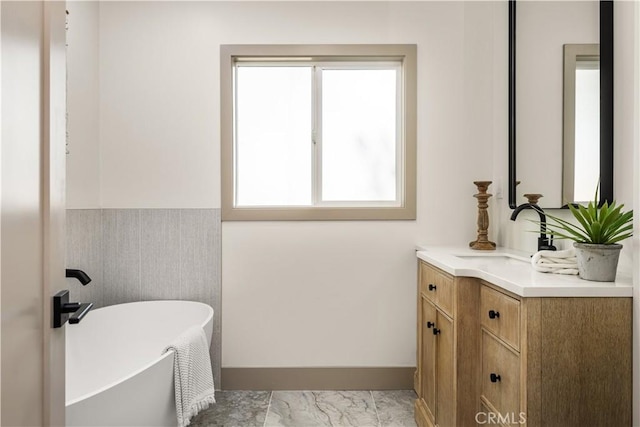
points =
(556, 262)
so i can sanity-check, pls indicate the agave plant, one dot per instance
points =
(605, 225)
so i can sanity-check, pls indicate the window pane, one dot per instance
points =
(273, 136)
(359, 135)
(587, 134)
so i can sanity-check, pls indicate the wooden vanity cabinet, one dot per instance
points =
(555, 361)
(447, 349)
(500, 359)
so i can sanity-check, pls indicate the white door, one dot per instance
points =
(32, 169)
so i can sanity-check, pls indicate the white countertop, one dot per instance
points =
(512, 271)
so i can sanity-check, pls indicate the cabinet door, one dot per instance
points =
(428, 360)
(445, 373)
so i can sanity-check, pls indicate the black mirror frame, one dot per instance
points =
(606, 102)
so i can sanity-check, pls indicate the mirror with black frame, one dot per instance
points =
(563, 143)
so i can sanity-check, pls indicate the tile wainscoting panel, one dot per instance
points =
(84, 252)
(148, 254)
(159, 254)
(121, 262)
(199, 254)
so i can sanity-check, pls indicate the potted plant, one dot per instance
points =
(595, 237)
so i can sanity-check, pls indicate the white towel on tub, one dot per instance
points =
(192, 371)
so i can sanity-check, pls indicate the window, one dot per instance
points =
(318, 132)
(581, 122)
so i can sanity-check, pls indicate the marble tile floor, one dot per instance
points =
(393, 408)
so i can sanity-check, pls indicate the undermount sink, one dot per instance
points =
(494, 259)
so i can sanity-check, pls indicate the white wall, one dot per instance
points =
(159, 109)
(83, 160)
(300, 293)
(343, 294)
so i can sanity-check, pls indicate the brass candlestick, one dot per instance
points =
(482, 242)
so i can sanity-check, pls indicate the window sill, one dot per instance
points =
(318, 214)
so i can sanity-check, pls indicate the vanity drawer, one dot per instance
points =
(500, 314)
(500, 375)
(437, 286)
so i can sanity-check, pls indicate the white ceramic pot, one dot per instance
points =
(598, 263)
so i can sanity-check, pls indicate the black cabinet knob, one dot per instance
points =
(436, 331)
(430, 325)
(494, 378)
(493, 314)
(432, 287)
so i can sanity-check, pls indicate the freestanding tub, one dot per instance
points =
(116, 374)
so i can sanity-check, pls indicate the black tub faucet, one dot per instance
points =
(544, 243)
(64, 310)
(78, 274)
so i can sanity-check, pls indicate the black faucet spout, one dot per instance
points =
(78, 274)
(544, 242)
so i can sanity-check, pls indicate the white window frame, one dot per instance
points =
(323, 57)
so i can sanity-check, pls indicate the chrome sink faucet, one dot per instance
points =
(544, 243)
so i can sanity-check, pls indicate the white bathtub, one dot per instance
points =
(116, 374)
